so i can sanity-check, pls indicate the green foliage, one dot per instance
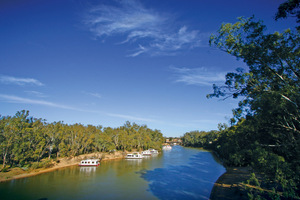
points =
(200, 138)
(25, 140)
(265, 128)
(43, 164)
(5, 169)
(290, 8)
(253, 180)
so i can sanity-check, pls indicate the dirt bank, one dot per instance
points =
(229, 186)
(16, 173)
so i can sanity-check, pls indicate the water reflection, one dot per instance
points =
(134, 162)
(87, 170)
(193, 180)
(182, 173)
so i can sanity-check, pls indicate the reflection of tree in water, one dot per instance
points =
(193, 181)
(129, 166)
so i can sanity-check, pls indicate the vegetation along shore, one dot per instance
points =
(48, 166)
(260, 147)
(29, 144)
(264, 133)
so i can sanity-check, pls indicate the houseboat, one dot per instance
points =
(153, 151)
(167, 147)
(89, 162)
(134, 156)
(146, 153)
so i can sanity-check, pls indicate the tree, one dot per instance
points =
(266, 125)
(40, 139)
(6, 138)
(273, 77)
(25, 140)
(290, 8)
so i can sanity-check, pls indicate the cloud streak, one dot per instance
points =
(21, 100)
(19, 81)
(36, 93)
(128, 117)
(197, 76)
(150, 30)
(16, 99)
(94, 94)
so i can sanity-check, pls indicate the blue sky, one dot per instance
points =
(106, 62)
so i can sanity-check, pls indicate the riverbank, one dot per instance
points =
(230, 185)
(17, 173)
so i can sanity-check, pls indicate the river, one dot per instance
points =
(180, 173)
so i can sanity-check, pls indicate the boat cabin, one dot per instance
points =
(153, 151)
(89, 162)
(134, 156)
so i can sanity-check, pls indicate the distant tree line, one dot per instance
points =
(265, 129)
(201, 139)
(25, 140)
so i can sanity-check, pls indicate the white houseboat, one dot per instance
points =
(89, 162)
(134, 156)
(153, 151)
(167, 147)
(146, 153)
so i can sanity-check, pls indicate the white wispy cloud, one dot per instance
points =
(94, 94)
(151, 31)
(36, 93)
(197, 76)
(129, 117)
(206, 121)
(19, 81)
(16, 99)
(21, 100)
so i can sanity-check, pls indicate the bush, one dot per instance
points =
(5, 169)
(253, 180)
(42, 164)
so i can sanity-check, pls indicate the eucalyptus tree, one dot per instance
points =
(7, 138)
(88, 142)
(124, 139)
(40, 140)
(290, 8)
(22, 131)
(105, 140)
(156, 139)
(267, 121)
(25, 140)
(271, 85)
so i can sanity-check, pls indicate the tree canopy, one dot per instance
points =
(265, 131)
(290, 8)
(25, 140)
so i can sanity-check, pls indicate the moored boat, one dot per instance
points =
(167, 147)
(134, 156)
(153, 151)
(146, 153)
(89, 162)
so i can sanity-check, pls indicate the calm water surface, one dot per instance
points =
(180, 173)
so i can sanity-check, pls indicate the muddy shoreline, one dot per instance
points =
(229, 186)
